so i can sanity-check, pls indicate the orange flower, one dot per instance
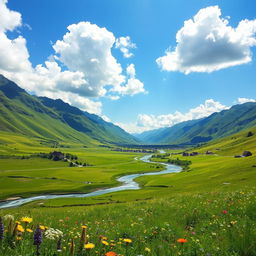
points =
(182, 240)
(110, 254)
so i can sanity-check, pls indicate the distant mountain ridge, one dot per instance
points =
(25, 114)
(217, 125)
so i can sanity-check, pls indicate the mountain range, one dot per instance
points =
(217, 125)
(51, 119)
(58, 121)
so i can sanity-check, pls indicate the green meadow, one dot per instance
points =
(206, 209)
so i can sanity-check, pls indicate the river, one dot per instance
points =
(127, 181)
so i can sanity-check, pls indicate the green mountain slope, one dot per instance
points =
(53, 119)
(215, 126)
(90, 124)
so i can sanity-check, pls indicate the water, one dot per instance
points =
(127, 181)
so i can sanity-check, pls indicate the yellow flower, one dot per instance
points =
(20, 228)
(42, 227)
(105, 242)
(18, 238)
(147, 249)
(84, 226)
(17, 222)
(26, 219)
(89, 246)
(29, 230)
(127, 240)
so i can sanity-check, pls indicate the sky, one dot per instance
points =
(141, 64)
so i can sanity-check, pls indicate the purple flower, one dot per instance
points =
(38, 237)
(1, 229)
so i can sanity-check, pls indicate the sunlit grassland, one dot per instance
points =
(33, 176)
(216, 223)
(212, 205)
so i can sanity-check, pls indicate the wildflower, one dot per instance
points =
(1, 229)
(89, 246)
(29, 230)
(147, 249)
(8, 217)
(38, 236)
(26, 219)
(20, 228)
(53, 234)
(127, 240)
(224, 211)
(42, 227)
(182, 240)
(38, 239)
(84, 226)
(110, 254)
(104, 242)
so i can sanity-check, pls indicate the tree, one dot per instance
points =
(249, 134)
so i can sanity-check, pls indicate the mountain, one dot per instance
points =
(215, 126)
(56, 120)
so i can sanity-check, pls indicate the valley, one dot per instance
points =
(113, 187)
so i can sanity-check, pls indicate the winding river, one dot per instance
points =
(127, 181)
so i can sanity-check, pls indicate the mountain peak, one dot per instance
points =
(9, 88)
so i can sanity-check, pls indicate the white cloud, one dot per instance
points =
(244, 100)
(9, 20)
(133, 85)
(82, 103)
(125, 44)
(87, 48)
(106, 118)
(207, 43)
(91, 71)
(149, 122)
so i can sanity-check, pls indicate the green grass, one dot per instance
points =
(219, 223)
(212, 205)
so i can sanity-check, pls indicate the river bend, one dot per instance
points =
(127, 181)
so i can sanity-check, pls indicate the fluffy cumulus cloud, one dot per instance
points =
(9, 19)
(133, 85)
(207, 43)
(149, 122)
(245, 100)
(125, 44)
(81, 68)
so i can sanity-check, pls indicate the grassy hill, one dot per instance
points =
(215, 126)
(28, 115)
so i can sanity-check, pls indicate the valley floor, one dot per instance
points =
(208, 209)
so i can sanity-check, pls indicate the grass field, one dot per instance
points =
(211, 206)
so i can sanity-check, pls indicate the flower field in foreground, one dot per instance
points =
(219, 223)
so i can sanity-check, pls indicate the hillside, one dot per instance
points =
(215, 126)
(50, 119)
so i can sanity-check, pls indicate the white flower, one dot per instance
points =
(53, 234)
(8, 217)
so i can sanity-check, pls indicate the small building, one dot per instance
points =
(194, 153)
(247, 153)
(185, 154)
(209, 152)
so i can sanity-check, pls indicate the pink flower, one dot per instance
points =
(224, 211)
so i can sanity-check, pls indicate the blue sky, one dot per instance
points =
(211, 67)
